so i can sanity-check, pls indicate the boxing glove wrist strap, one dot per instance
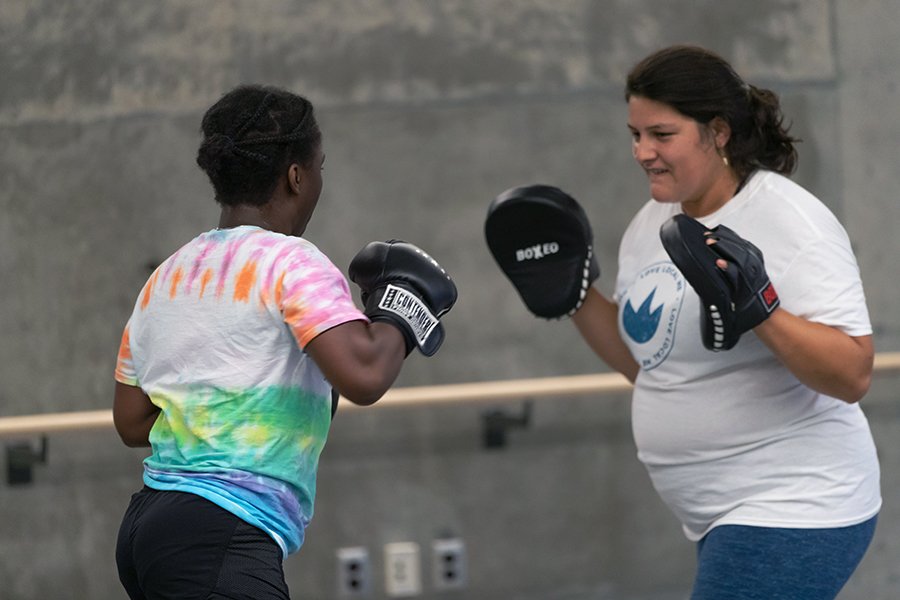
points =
(402, 307)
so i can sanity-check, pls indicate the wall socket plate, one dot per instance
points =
(402, 569)
(354, 573)
(449, 569)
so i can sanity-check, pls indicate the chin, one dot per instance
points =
(663, 198)
(662, 194)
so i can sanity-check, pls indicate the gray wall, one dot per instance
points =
(429, 109)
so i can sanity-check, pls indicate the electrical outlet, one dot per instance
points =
(401, 569)
(448, 562)
(354, 573)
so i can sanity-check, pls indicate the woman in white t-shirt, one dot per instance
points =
(761, 451)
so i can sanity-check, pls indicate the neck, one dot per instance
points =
(715, 198)
(244, 214)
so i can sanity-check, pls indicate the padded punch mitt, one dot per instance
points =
(542, 241)
(732, 300)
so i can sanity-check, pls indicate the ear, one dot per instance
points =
(294, 177)
(721, 132)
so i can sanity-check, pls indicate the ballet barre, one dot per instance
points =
(567, 385)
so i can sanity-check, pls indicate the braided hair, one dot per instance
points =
(702, 86)
(250, 136)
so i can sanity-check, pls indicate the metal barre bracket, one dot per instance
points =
(20, 458)
(496, 423)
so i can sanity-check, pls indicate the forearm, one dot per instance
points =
(823, 358)
(597, 322)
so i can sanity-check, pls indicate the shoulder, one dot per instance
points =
(302, 266)
(787, 223)
(288, 251)
(778, 206)
(788, 200)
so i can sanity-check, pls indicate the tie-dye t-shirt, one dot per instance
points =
(216, 340)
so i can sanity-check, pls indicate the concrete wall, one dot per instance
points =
(429, 109)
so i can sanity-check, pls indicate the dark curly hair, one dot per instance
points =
(250, 136)
(702, 85)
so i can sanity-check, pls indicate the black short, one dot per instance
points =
(175, 545)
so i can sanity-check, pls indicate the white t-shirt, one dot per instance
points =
(733, 437)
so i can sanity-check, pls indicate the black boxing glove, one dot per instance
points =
(402, 285)
(733, 300)
(542, 241)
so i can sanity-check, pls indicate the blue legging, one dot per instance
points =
(737, 562)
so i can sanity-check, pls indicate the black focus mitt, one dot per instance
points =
(542, 240)
(732, 300)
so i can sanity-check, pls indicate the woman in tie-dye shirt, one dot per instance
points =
(227, 364)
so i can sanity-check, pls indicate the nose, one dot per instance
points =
(642, 150)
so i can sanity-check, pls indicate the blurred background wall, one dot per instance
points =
(429, 109)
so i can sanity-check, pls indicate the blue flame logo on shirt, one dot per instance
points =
(649, 331)
(641, 324)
